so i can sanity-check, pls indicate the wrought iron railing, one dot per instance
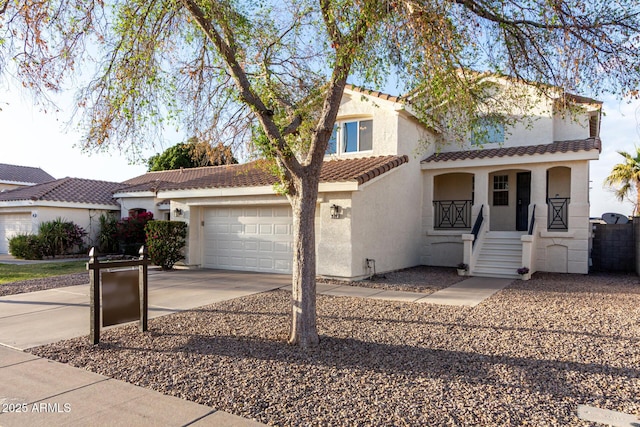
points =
(476, 227)
(558, 214)
(532, 223)
(452, 213)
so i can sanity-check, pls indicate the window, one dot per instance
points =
(594, 128)
(501, 190)
(354, 136)
(488, 131)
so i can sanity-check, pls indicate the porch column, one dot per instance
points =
(481, 195)
(539, 195)
(427, 197)
(579, 203)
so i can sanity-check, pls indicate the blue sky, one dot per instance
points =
(31, 137)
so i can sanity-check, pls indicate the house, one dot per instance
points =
(386, 203)
(12, 176)
(82, 201)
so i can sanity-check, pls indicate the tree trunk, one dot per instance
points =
(303, 297)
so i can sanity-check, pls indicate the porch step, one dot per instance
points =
(500, 255)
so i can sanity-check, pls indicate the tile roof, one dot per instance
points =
(70, 190)
(257, 173)
(528, 150)
(26, 174)
(377, 94)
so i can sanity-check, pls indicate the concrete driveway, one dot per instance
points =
(36, 318)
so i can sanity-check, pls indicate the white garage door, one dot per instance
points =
(249, 238)
(11, 225)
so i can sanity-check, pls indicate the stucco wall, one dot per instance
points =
(334, 237)
(85, 218)
(568, 126)
(147, 203)
(386, 221)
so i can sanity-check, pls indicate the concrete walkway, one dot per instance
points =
(40, 392)
(470, 292)
(50, 393)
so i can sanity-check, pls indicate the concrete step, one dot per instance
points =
(500, 255)
(498, 264)
(494, 273)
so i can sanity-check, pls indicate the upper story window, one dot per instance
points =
(488, 132)
(594, 126)
(351, 137)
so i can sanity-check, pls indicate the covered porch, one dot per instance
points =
(496, 219)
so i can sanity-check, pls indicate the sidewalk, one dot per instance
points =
(40, 392)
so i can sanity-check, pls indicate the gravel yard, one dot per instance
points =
(528, 355)
(44, 283)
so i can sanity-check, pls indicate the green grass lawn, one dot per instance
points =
(14, 273)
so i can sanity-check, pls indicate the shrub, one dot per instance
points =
(26, 246)
(60, 237)
(165, 241)
(108, 234)
(130, 232)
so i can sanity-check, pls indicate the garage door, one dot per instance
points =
(11, 225)
(249, 238)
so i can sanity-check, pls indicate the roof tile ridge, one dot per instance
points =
(392, 161)
(93, 180)
(192, 169)
(49, 187)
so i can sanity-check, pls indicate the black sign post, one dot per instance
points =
(116, 291)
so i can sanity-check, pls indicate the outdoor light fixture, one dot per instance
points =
(335, 211)
(178, 212)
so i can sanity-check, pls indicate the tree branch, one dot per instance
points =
(228, 53)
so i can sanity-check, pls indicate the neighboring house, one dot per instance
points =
(79, 200)
(12, 176)
(380, 206)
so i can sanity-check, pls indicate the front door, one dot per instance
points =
(523, 198)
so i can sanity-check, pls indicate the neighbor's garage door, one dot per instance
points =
(11, 225)
(249, 238)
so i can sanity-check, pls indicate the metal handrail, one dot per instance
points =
(533, 220)
(476, 226)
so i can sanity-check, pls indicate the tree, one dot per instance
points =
(235, 69)
(192, 154)
(627, 176)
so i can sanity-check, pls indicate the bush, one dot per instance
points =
(108, 234)
(130, 232)
(165, 242)
(60, 237)
(26, 246)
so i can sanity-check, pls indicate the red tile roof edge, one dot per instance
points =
(381, 169)
(482, 153)
(360, 170)
(374, 93)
